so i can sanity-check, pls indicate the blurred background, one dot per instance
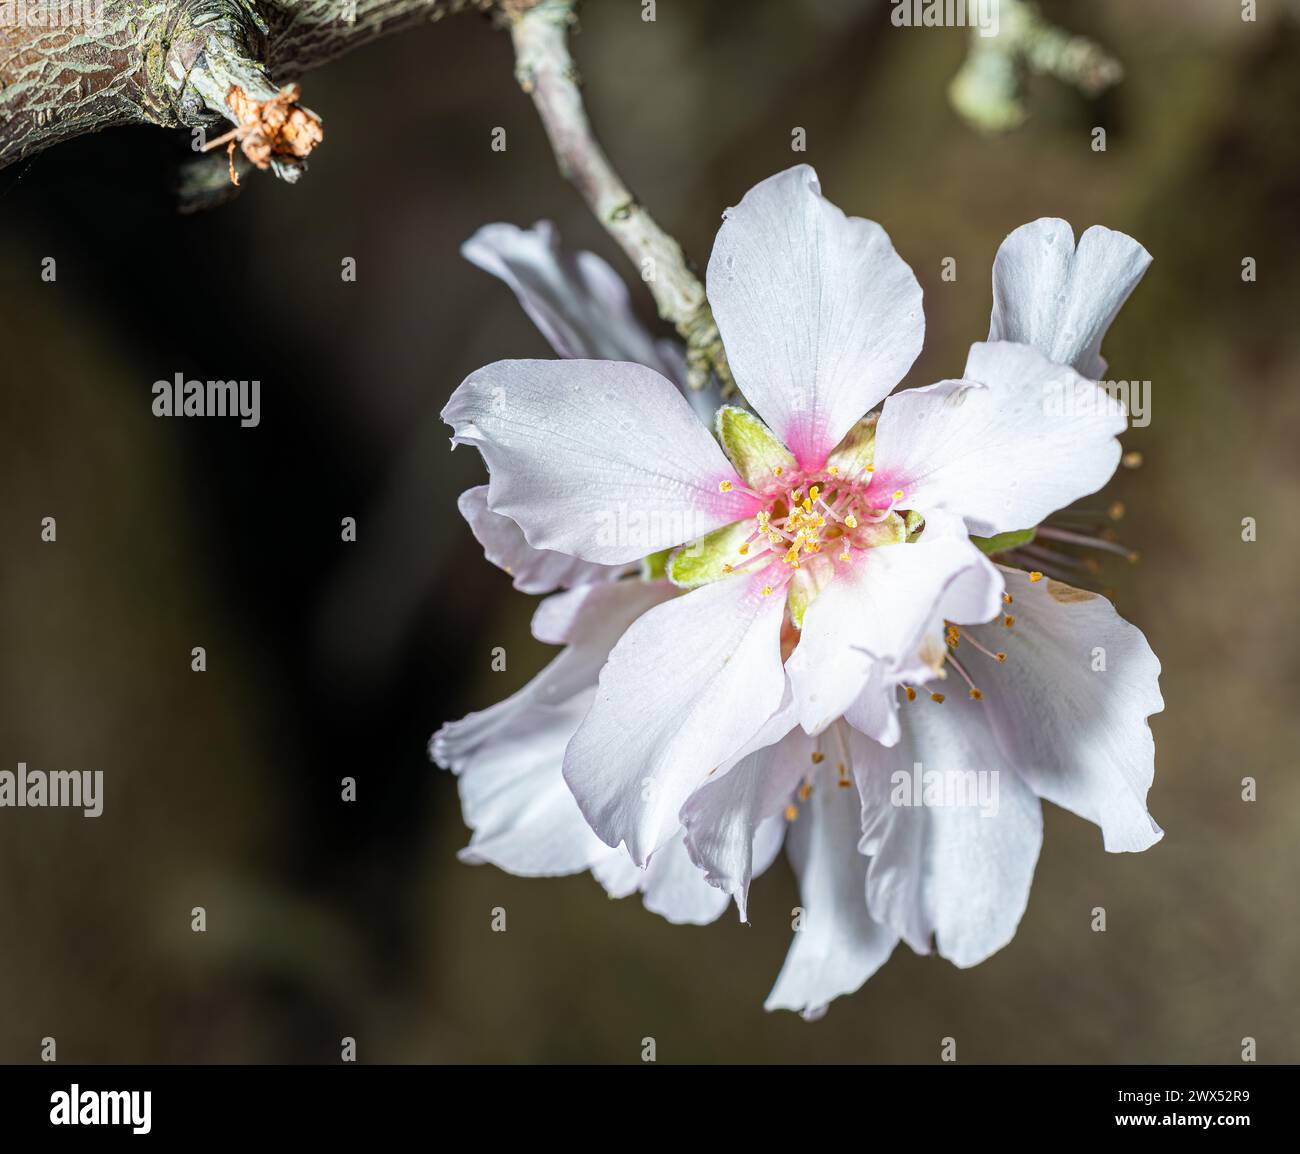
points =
(328, 659)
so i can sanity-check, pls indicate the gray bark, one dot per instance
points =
(69, 67)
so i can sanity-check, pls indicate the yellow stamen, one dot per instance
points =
(976, 695)
(1035, 576)
(937, 697)
(791, 813)
(724, 486)
(805, 791)
(1008, 621)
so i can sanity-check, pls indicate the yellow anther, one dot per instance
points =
(763, 518)
(777, 470)
(767, 591)
(726, 567)
(791, 812)
(851, 521)
(818, 757)
(725, 486)
(1008, 621)
(792, 556)
(975, 694)
(774, 537)
(805, 791)
(1000, 656)
(1007, 598)
(1116, 510)
(844, 783)
(834, 470)
(871, 468)
(845, 555)
(743, 548)
(807, 504)
(937, 697)
(911, 693)
(1035, 576)
(814, 493)
(898, 494)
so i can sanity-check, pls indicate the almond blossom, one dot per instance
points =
(825, 560)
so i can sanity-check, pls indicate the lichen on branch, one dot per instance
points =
(172, 63)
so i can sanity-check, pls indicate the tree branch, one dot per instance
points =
(546, 72)
(68, 67)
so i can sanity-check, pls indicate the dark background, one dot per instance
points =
(328, 660)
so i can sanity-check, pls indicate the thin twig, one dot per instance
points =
(546, 71)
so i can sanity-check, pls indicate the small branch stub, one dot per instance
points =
(269, 129)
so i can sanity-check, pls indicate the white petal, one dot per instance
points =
(509, 757)
(602, 460)
(877, 606)
(735, 819)
(684, 689)
(1062, 301)
(839, 945)
(958, 873)
(676, 889)
(671, 885)
(1079, 736)
(591, 618)
(618, 873)
(1015, 440)
(513, 797)
(819, 315)
(533, 570)
(578, 302)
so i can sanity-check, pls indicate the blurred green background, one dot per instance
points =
(329, 660)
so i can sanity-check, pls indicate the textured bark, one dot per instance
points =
(171, 62)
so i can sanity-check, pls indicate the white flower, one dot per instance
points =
(827, 560)
(508, 758)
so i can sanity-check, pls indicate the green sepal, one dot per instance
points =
(1004, 541)
(655, 567)
(802, 591)
(913, 523)
(700, 562)
(855, 454)
(756, 452)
